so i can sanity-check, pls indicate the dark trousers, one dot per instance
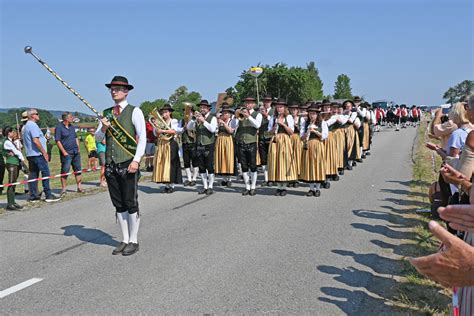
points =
(189, 155)
(263, 145)
(13, 171)
(38, 164)
(248, 156)
(205, 158)
(2, 172)
(123, 187)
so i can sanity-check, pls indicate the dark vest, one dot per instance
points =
(114, 152)
(246, 132)
(263, 130)
(203, 136)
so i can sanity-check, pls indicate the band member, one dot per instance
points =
(341, 125)
(352, 136)
(125, 146)
(398, 117)
(313, 163)
(224, 150)
(264, 137)
(330, 143)
(246, 122)
(205, 126)
(296, 139)
(188, 140)
(364, 130)
(281, 158)
(167, 166)
(403, 115)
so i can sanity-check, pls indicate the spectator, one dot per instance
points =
(2, 160)
(101, 151)
(150, 144)
(35, 145)
(68, 145)
(91, 148)
(49, 143)
(14, 161)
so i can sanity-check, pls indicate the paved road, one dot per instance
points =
(219, 254)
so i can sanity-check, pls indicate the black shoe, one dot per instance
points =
(18, 206)
(245, 192)
(296, 185)
(326, 185)
(192, 183)
(335, 178)
(52, 198)
(224, 183)
(34, 199)
(170, 190)
(130, 249)
(209, 192)
(349, 167)
(165, 190)
(317, 193)
(278, 192)
(270, 184)
(354, 164)
(359, 160)
(119, 248)
(341, 172)
(149, 169)
(186, 183)
(264, 184)
(11, 208)
(367, 153)
(363, 156)
(203, 191)
(283, 193)
(310, 193)
(252, 192)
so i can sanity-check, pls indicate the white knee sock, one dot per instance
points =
(239, 168)
(283, 185)
(171, 185)
(123, 221)
(245, 175)
(254, 180)
(188, 173)
(265, 173)
(211, 181)
(195, 173)
(311, 186)
(134, 223)
(204, 180)
(280, 186)
(317, 186)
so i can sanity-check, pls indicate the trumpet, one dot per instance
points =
(239, 113)
(159, 123)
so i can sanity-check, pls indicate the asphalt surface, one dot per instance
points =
(219, 254)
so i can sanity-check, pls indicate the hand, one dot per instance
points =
(65, 154)
(451, 175)
(133, 167)
(200, 119)
(11, 154)
(46, 157)
(439, 112)
(246, 113)
(452, 266)
(432, 146)
(460, 217)
(105, 124)
(281, 121)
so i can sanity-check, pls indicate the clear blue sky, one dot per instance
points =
(409, 51)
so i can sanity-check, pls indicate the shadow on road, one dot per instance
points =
(90, 235)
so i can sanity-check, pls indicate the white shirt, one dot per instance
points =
(332, 120)
(289, 121)
(8, 145)
(173, 125)
(342, 119)
(352, 117)
(362, 111)
(324, 130)
(138, 121)
(256, 122)
(211, 127)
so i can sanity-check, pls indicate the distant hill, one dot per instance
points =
(55, 113)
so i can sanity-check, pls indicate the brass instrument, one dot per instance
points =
(239, 113)
(308, 134)
(188, 116)
(159, 123)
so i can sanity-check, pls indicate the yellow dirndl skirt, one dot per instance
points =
(224, 155)
(313, 162)
(281, 160)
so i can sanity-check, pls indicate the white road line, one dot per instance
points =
(19, 287)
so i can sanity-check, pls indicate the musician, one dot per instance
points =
(296, 142)
(403, 115)
(313, 163)
(188, 140)
(330, 143)
(352, 136)
(206, 127)
(281, 158)
(341, 127)
(364, 129)
(167, 166)
(246, 139)
(224, 150)
(125, 146)
(264, 137)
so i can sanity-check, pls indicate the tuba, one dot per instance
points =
(159, 123)
(189, 116)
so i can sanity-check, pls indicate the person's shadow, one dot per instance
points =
(90, 235)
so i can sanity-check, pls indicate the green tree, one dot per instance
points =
(180, 97)
(459, 92)
(148, 106)
(342, 87)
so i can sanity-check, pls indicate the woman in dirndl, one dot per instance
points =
(281, 158)
(313, 160)
(224, 155)
(167, 166)
(330, 144)
(296, 139)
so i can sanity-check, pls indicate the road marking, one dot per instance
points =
(19, 287)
